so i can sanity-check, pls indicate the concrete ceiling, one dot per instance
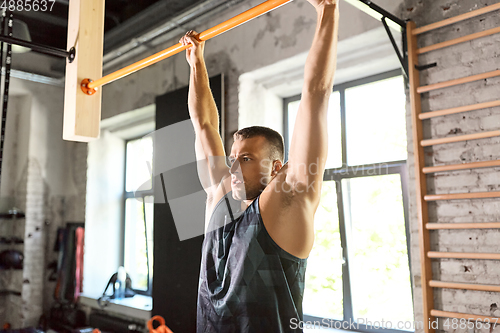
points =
(127, 23)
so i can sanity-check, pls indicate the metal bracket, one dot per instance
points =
(71, 54)
(402, 59)
(424, 67)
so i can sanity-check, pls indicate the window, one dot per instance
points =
(359, 268)
(138, 217)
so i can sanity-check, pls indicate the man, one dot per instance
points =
(254, 252)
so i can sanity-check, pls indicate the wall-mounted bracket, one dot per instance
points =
(424, 67)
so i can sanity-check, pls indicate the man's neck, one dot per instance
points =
(246, 203)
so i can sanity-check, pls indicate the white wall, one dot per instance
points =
(104, 211)
(15, 146)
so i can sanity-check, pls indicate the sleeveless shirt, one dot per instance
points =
(248, 283)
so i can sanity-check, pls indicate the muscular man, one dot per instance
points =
(254, 252)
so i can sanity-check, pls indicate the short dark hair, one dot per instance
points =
(275, 140)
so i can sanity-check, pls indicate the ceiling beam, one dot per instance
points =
(174, 26)
(137, 24)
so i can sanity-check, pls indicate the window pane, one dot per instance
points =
(376, 122)
(323, 290)
(139, 162)
(135, 241)
(378, 258)
(334, 135)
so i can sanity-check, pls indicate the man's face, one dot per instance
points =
(251, 167)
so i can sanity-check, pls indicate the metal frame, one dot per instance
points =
(384, 13)
(8, 64)
(349, 172)
(402, 55)
(89, 86)
(129, 195)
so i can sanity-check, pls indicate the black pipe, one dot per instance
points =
(49, 50)
(5, 97)
(402, 59)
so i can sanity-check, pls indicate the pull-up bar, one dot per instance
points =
(88, 86)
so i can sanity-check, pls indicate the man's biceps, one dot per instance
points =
(304, 167)
(208, 132)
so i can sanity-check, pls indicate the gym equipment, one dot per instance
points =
(162, 328)
(11, 259)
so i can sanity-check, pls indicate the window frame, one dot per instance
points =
(129, 195)
(350, 172)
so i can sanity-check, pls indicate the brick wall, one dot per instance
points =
(475, 57)
(46, 178)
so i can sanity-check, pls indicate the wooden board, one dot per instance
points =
(420, 180)
(82, 113)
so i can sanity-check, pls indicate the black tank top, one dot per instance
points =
(247, 282)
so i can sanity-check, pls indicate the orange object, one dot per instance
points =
(162, 328)
(85, 87)
(244, 17)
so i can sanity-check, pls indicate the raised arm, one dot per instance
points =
(308, 150)
(205, 118)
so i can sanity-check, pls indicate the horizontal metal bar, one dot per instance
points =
(246, 16)
(35, 77)
(459, 138)
(49, 50)
(446, 314)
(459, 40)
(192, 17)
(466, 286)
(455, 82)
(463, 255)
(365, 170)
(10, 292)
(459, 196)
(456, 19)
(453, 167)
(475, 225)
(473, 107)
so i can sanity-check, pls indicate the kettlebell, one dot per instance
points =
(11, 259)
